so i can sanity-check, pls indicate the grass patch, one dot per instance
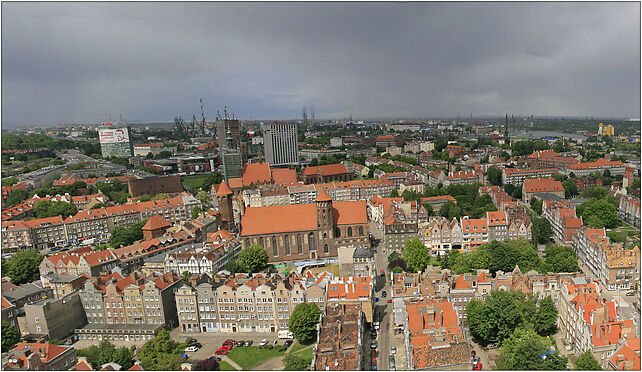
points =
(194, 181)
(250, 357)
(225, 366)
(306, 354)
(333, 268)
(296, 347)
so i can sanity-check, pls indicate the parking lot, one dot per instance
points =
(212, 341)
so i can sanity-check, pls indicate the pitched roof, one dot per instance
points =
(255, 173)
(323, 196)
(325, 170)
(474, 224)
(223, 190)
(299, 217)
(284, 176)
(156, 222)
(460, 283)
(496, 218)
(50, 351)
(542, 185)
(629, 352)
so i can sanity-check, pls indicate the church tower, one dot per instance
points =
(325, 217)
(224, 196)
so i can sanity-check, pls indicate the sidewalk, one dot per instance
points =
(231, 362)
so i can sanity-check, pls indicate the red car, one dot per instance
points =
(229, 342)
(223, 350)
(382, 273)
(390, 301)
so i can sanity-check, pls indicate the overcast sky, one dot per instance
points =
(81, 62)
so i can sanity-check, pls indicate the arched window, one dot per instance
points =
(299, 245)
(349, 231)
(261, 242)
(275, 249)
(313, 243)
(360, 230)
(326, 249)
(337, 233)
(325, 236)
(287, 244)
(247, 242)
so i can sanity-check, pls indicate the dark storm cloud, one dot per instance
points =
(64, 62)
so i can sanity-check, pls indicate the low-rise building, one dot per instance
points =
(357, 261)
(564, 222)
(463, 177)
(599, 166)
(339, 339)
(326, 173)
(629, 211)
(39, 357)
(534, 186)
(517, 176)
(51, 318)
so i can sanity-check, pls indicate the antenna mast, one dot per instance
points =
(305, 115)
(202, 118)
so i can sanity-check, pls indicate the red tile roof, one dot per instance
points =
(284, 176)
(598, 164)
(542, 185)
(496, 218)
(256, 173)
(300, 217)
(50, 351)
(6, 303)
(474, 224)
(349, 288)
(156, 222)
(323, 196)
(223, 190)
(460, 283)
(629, 352)
(326, 170)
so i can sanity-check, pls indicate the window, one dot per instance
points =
(350, 232)
(275, 249)
(337, 233)
(361, 230)
(247, 242)
(313, 243)
(326, 249)
(261, 242)
(287, 244)
(299, 246)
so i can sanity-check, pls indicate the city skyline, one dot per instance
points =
(82, 62)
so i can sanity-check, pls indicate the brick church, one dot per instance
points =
(306, 231)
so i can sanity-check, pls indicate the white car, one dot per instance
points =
(263, 342)
(191, 349)
(376, 325)
(393, 350)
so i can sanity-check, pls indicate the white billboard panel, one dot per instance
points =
(116, 135)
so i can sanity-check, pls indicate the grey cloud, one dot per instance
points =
(65, 62)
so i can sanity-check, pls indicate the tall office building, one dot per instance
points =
(222, 127)
(280, 142)
(114, 140)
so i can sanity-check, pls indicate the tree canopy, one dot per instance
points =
(294, 362)
(545, 321)
(416, 255)
(526, 350)
(494, 175)
(303, 322)
(587, 362)
(106, 352)
(126, 236)
(601, 212)
(16, 196)
(10, 336)
(253, 259)
(161, 353)
(52, 208)
(209, 364)
(22, 267)
(560, 259)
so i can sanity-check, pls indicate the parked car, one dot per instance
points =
(197, 344)
(276, 342)
(384, 294)
(249, 343)
(190, 340)
(375, 325)
(383, 273)
(376, 299)
(390, 301)
(288, 343)
(263, 342)
(240, 343)
(373, 362)
(223, 350)
(229, 341)
(492, 346)
(391, 362)
(477, 367)
(631, 294)
(373, 344)
(191, 349)
(393, 350)
(373, 335)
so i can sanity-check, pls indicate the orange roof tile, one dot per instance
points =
(284, 176)
(50, 351)
(326, 170)
(223, 189)
(255, 173)
(323, 196)
(156, 222)
(542, 185)
(460, 283)
(496, 218)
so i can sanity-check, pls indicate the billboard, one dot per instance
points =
(116, 135)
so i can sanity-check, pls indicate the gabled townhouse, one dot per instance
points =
(563, 220)
(629, 211)
(475, 232)
(89, 263)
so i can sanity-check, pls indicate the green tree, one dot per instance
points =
(570, 188)
(196, 211)
(560, 259)
(106, 352)
(494, 176)
(541, 229)
(253, 259)
(209, 364)
(393, 256)
(10, 336)
(186, 276)
(16, 196)
(144, 198)
(48, 208)
(22, 267)
(294, 362)
(394, 193)
(122, 236)
(9, 181)
(98, 206)
(597, 192)
(526, 350)
(303, 322)
(603, 210)
(587, 362)
(546, 318)
(416, 255)
(161, 353)
(204, 197)
(161, 196)
(536, 205)
(479, 321)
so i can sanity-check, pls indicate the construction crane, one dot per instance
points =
(202, 129)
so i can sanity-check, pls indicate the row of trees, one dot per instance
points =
(124, 236)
